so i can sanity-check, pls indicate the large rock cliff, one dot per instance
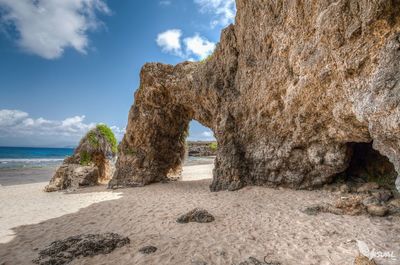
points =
(291, 88)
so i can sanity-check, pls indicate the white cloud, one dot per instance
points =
(223, 11)
(201, 136)
(11, 117)
(119, 132)
(199, 46)
(170, 41)
(195, 46)
(47, 27)
(207, 134)
(19, 127)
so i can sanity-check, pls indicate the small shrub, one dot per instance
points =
(109, 135)
(85, 158)
(213, 146)
(92, 137)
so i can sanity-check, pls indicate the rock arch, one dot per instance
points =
(287, 88)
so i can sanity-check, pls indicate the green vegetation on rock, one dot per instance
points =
(109, 135)
(93, 140)
(85, 158)
(213, 146)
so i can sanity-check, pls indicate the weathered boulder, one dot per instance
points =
(148, 249)
(91, 164)
(290, 92)
(64, 251)
(197, 215)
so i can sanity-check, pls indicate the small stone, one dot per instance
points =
(395, 203)
(311, 210)
(148, 249)
(371, 200)
(376, 210)
(344, 188)
(369, 186)
(254, 261)
(351, 205)
(382, 195)
(197, 215)
(363, 260)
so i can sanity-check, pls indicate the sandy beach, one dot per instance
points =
(255, 221)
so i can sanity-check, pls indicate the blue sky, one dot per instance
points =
(66, 65)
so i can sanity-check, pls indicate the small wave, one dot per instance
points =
(15, 163)
(29, 160)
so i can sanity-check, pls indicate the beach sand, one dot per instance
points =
(253, 221)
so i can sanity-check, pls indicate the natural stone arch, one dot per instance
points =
(288, 87)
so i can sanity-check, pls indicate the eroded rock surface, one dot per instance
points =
(288, 91)
(64, 251)
(197, 215)
(91, 163)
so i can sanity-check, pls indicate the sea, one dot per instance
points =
(30, 157)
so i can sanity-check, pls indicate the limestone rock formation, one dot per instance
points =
(91, 163)
(291, 90)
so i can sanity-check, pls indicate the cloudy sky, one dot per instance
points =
(69, 64)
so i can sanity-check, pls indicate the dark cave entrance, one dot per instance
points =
(368, 165)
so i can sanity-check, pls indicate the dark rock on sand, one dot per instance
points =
(368, 187)
(382, 195)
(254, 261)
(197, 215)
(64, 251)
(148, 249)
(321, 208)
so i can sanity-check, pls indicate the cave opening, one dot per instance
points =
(201, 150)
(368, 165)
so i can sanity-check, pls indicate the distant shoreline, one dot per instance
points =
(28, 175)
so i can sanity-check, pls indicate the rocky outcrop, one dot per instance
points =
(91, 164)
(64, 251)
(197, 215)
(202, 148)
(291, 88)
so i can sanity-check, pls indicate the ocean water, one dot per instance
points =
(27, 157)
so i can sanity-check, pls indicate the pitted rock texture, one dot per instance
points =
(197, 215)
(91, 164)
(289, 89)
(64, 251)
